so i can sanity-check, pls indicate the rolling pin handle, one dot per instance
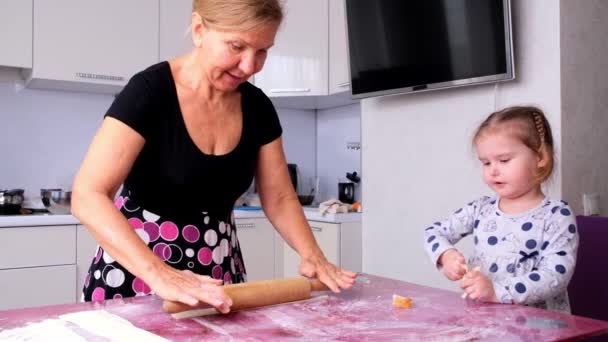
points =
(174, 307)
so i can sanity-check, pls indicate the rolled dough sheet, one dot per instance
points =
(110, 326)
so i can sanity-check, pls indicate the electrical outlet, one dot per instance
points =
(591, 204)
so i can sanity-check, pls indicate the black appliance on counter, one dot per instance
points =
(293, 175)
(10, 201)
(346, 190)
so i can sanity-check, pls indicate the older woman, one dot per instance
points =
(186, 138)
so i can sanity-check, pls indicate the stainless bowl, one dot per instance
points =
(57, 201)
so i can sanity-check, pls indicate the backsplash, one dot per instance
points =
(338, 148)
(45, 135)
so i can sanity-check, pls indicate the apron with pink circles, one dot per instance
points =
(203, 243)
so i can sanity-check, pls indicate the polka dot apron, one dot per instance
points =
(205, 244)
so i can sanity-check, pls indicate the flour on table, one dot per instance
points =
(47, 330)
(99, 323)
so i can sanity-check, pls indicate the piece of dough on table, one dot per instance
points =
(402, 302)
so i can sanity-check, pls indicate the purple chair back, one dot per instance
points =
(588, 289)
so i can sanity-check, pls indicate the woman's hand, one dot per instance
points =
(190, 288)
(453, 265)
(316, 266)
(478, 287)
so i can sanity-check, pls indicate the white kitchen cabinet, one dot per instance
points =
(37, 246)
(328, 238)
(257, 240)
(340, 242)
(37, 286)
(86, 246)
(37, 266)
(175, 34)
(297, 64)
(92, 46)
(339, 75)
(16, 33)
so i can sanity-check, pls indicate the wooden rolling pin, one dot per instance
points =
(259, 293)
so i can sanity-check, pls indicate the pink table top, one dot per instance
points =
(363, 313)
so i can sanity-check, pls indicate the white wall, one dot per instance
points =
(585, 101)
(45, 134)
(299, 142)
(417, 157)
(335, 128)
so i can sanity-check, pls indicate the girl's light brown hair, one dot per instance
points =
(530, 126)
(238, 15)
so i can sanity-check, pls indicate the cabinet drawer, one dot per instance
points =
(37, 246)
(328, 238)
(37, 286)
(256, 238)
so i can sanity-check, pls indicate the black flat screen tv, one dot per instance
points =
(405, 46)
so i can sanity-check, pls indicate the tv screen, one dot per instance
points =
(403, 46)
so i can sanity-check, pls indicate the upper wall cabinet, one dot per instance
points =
(339, 76)
(16, 33)
(297, 64)
(175, 35)
(92, 45)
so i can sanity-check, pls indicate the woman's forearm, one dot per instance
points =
(114, 234)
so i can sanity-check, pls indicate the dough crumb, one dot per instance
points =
(402, 302)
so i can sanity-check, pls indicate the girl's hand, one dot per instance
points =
(190, 288)
(478, 287)
(316, 266)
(453, 264)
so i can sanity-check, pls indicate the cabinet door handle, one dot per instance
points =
(344, 84)
(90, 76)
(290, 90)
(316, 229)
(245, 225)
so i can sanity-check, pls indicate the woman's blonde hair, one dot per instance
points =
(529, 125)
(238, 15)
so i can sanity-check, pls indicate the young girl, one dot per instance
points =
(525, 242)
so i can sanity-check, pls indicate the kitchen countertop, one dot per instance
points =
(363, 313)
(312, 214)
(37, 220)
